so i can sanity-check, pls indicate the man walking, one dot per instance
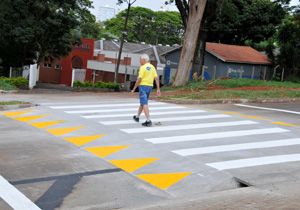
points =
(147, 74)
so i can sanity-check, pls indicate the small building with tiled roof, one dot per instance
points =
(223, 60)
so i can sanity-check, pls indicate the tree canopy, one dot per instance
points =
(145, 25)
(289, 43)
(32, 29)
(239, 21)
(91, 30)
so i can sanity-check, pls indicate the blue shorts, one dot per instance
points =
(144, 92)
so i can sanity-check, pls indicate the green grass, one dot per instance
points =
(13, 102)
(6, 86)
(292, 90)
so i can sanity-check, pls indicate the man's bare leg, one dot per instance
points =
(146, 111)
(140, 110)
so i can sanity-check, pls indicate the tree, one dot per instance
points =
(239, 21)
(138, 26)
(91, 30)
(225, 20)
(145, 25)
(124, 33)
(33, 29)
(196, 11)
(168, 28)
(289, 43)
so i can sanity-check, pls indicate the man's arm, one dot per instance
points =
(137, 83)
(157, 86)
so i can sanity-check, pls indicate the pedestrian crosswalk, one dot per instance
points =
(185, 125)
(215, 135)
(181, 136)
(250, 162)
(133, 113)
(188, 126)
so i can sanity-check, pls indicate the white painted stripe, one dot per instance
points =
(279, 110)
(122, 110)
(237, 147)
(103, 105)
(120, 122)
(151, 114)
(186, 127)
(14, 197)
(250, 162)
(215, 135)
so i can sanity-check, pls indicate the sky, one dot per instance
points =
(151, 4)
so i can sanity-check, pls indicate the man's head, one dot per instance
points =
(144, 59)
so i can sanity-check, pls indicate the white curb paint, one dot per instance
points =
(14, 197)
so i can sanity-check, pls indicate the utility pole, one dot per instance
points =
(124, 34)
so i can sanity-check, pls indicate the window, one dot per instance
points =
(49, 65)
(57, 67)
(45, 64)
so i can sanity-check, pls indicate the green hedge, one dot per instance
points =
(16, 81)
(6, 86)
(99, 84)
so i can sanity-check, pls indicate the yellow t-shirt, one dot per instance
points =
(147, 73)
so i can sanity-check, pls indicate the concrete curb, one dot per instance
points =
(231, 101)
(9, 91)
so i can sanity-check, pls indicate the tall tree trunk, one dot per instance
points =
(196, 11)
(124, 33)
(199, 52)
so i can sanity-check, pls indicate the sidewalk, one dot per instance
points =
(284, 196)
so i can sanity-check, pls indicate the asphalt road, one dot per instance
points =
(84, 151)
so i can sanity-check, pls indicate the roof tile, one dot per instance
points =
(236, 53)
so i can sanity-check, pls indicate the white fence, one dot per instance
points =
(33, 75)
(78, 75)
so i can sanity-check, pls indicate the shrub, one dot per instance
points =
(17, 81)
(293, 79)
(88, 84)
(99, 84)
(77, 84)
(4, 85)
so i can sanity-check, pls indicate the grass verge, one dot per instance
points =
(12, 102)
(223, 90)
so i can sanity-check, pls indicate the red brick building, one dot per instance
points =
(99, 60)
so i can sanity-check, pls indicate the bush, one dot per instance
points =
(293, 79)
(20, 81)
(99, 84)
(4, 85)
(88, 84)
(77, 84)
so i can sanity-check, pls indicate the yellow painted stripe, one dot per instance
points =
(13, 114)
(45, 124)
(258, 118)
(131, 165)
(231, 113)
(26, 119)
(281, 123)
(163, 181)
(62, 131)
(83, 139)
(105, 151)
